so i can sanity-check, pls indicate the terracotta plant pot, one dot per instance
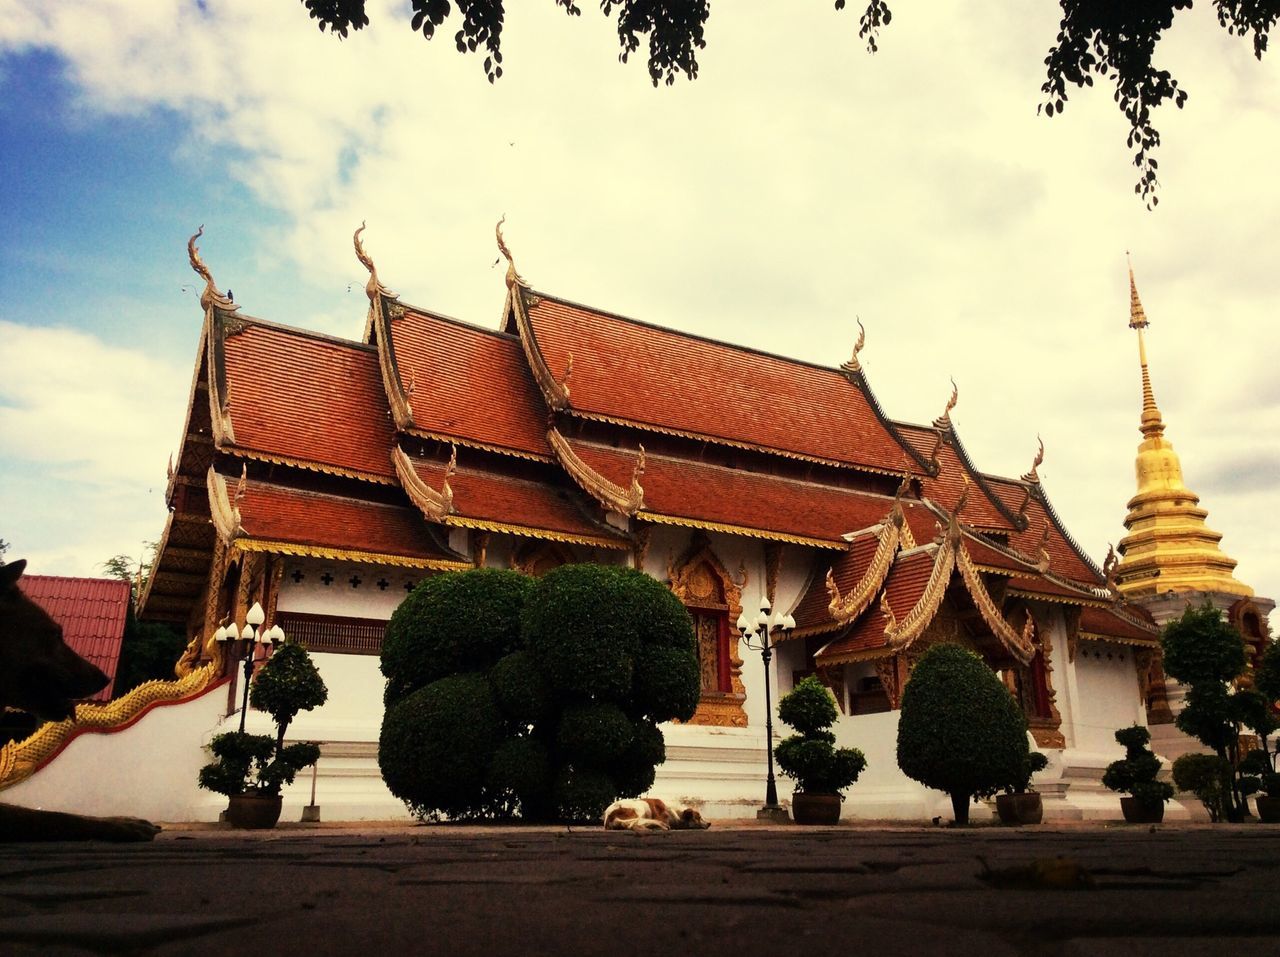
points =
(1017, 809)
(1142, 812)
(1268, 809)
(815, 808)
(254, 811)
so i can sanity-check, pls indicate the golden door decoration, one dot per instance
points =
(714, 601)
(538, 558)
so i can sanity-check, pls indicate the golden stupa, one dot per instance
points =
(1168, 546)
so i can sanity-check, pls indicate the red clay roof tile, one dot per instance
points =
(714, 494)
(491, 496)
(92, 613)
(469, 383)
(1110, 623)
(657, 377)
(307, 397)
(903, 588)
(277, 513)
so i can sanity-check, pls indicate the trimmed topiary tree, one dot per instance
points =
(437, 745)
(1135, 773)
(557, 714)
(810, 757)
(959, 729)
(451, 624)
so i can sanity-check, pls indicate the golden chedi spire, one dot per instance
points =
(1168, 546)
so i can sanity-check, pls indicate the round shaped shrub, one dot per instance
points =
(808, 707)
(959, 729)
(521, 767)
(667, 683)
(521, 690)
(594, 735)
(582, 795)
(587, 624)
(452, 623)
(286, 684)
(437, 744)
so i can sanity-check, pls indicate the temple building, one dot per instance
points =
(1170, 559)
(324, 478)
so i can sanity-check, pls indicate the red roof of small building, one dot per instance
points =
(92, 613)
(634, 372)
(698, 493)
(315, 523)
(469, 383)
(310, 398)
(813, 612)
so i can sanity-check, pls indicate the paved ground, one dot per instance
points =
(738, 890)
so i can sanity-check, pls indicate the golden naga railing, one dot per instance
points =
(21, 759)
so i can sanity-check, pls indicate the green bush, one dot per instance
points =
(286, 684)
(593, 735)
(582, 795)
(1136, 772)
(568, 721)
(587, 625)
(521, 770)
(1034, 763)
(959, 729)
(452, 624)
(521, 690)
(437, 744)
(1206, 776)
(667, 683)
(810, 758)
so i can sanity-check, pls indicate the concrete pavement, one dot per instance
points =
(738, 889)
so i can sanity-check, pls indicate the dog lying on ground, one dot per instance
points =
(40, 674)
(651, 814)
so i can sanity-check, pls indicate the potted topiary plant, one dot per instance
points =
(1136, 775)
(820, 769)
(1020, 804)
(1258, 775)
(252, 768)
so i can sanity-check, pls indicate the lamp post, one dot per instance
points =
(253, 637)
(755, 635)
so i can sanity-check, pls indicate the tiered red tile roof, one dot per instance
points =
(470, 384)
(1126, 625)
(487, 498)
(699, 492)
(903, 588)
(949, 484)
(634, 372)
(92, 613)
(308, 523)
(308, 398)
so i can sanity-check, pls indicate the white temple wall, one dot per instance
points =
(339, 597)
(1108, 684)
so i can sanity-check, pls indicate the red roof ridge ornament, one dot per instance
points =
(853, 365)
(1033, 476)
(210, 295)
(374, 287)
(513, 277)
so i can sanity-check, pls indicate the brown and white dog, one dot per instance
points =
(40, 674)
(651, 814)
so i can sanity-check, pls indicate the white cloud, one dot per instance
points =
(796, 183)
(86, 430)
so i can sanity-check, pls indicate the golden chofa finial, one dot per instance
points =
(374, 286)
(944, 421)
(1137, 318)
(513, 278)
(853, 365)
(210, 293)
(1034, 476)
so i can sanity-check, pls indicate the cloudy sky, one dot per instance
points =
(796, 184)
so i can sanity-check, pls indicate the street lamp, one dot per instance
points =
(755, 635)
(253, 637)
